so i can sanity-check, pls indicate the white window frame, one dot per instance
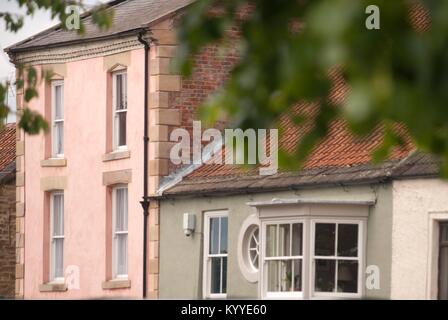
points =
(115, 275)
(440, 245)
(207, 256)
(360, 258)
(115, 112)
(263, 259)
(251, 249)
(54, 121)
(53, 277)
(308, 243)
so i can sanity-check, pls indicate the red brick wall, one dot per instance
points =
(7, 240)
(210, 71)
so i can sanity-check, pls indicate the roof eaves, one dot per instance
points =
(252, 190)
(77, 41)
(12, 49)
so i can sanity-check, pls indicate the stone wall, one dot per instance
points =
(7, 239)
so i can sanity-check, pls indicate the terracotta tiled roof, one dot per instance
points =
(341, 158)
(339, 149)
(7, 145)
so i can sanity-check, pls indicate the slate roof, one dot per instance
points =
(416, 165)
(128, 15)
(7, 150)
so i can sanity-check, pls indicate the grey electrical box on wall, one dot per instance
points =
(189, 223)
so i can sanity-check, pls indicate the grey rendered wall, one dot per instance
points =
(181, 257)
(379, 240)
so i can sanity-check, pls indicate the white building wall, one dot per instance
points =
(418, 205)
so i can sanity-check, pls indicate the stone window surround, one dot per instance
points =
(116, 284)
(59, 72)
(47, 185)
(53, 287)
(111, 179)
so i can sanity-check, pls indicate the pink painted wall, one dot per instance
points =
(85, 196)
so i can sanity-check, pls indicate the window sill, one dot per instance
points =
(54, 162)
(116, 155)
(53, 287)
(116, 284)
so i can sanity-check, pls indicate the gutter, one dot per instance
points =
(12, 50)
(258, 190)
(57, 27)
(286, 202)
(145, 202)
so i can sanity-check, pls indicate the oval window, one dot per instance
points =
(249, 248)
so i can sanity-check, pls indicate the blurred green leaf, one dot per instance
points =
(395, 75)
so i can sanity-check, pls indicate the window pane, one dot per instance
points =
(279, 275)
(58, 215)
(253, 248)
(325, 239)
(253, 243)
(121, 128)
(285, 275)
(214, 235)
(58, 258)
(324, 275)
(443, 262)
(284, 239)
(272, 272)
(297, 239)
(58, 108)
(271, 240)
(215, 281)
(125, 91)
(122, 254)
(223, 248)
(347, 276)
(121, 205)
(443, 274)
(224, 275)
(58, 136)
(444, 232)
(297, 275)
(348, 240)
(120, 101)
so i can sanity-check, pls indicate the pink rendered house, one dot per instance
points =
(81, 226)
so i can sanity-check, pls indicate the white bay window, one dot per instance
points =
(305, 258)
(312, 250)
